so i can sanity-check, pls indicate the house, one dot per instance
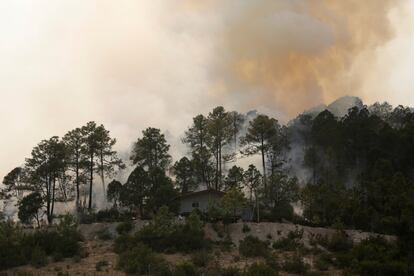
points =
(200, 200)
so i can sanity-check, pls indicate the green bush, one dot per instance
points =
(104, 235)
(376, 256)
(323, 262)
(186, 269)
(291, 242)
(259, 269)
(142, 260)
(201, 258)
(229, 271)
(339, 242)
(295, 265)
(100, 265)
(18, 248)
(125, 227)
(38, 257)
(246, 228)
(253, 247)
(163, 234)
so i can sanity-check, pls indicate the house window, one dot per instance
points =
(195, 205)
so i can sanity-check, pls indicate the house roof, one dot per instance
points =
(209, 191)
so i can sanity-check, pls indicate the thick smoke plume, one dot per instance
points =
(291, 55)
(132, 64)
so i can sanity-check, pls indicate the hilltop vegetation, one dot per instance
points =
(358, 175)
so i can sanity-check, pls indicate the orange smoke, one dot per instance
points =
(291, 55)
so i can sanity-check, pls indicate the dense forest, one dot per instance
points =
(359, 170)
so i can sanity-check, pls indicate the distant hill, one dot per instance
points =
(339, 107)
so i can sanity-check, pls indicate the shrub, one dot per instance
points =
(253, 247)
(339, 242)
(229, 271)
(124, 227)
(123, 243)
(142, 260)
(104, 235)
(259, 269)
(18, 248)
(295, 265)
(375, 256)
(186, 269)
(38, 257)
(291, 242)
(323, 262)
(164, 234)
(201, 258)
(271, 260)
(101, 264)
(245, 228)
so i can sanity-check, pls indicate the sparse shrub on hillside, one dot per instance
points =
(375, 256)
(201, 258)
(141, 260)
(223, 271)
(259, 269)
(253, 247)
(38, 257)
(125, 227)
(100, 265)
(295, 265)
(18, 248)
(104, 235)
(339, 242)
(186, 269)
(245, 228)
(291, 242)
(164, 234)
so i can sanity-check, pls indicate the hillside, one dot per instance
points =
(99, 258)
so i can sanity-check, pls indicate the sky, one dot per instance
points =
(132, 64)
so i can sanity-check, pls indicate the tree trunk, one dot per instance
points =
(257, 207)
(220, 172)
(90, 183)
(77, 183)
(53, 200)
(217, 168)
(103, 177)
(264, 164)
(48, 197)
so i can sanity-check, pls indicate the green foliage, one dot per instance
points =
(253, 247)
(151, 150)
(38, 257)
(245, 228)
(233, 202)
(186, 269)
(200, 258)
(125, 227)
(20, 248)
(323, 262)
(114, 191)
(141, 260)
(235, 178)
(29, 208)
(104, 235)
(295, 265)
(259, 269)
(100, 265)
(184, 173)
(164, 234)
(376, 256)
(291, 242)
